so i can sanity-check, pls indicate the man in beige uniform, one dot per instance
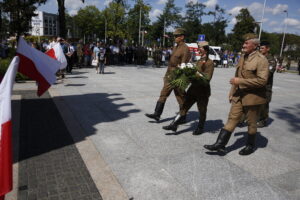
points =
(181, 54)
(247, 93)
(197, 92)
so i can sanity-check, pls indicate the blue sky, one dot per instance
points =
(274, 17)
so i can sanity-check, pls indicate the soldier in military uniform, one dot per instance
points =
(247, 93)
(264, 109)
(181, 54)
(197, 92)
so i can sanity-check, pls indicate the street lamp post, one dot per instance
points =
(262, 18)
(284, 33)
(105, 29)
(140, 24)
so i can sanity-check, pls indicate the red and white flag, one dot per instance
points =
(57, 53)
(37, 66)
(6, 127)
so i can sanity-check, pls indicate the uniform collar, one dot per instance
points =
(251, 55)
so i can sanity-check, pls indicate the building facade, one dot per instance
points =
(45, 24)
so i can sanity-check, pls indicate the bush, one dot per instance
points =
(4, 63)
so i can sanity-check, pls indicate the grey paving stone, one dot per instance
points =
(49, 162)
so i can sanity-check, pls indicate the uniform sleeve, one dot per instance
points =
(209, 70)
(272, 66)
(186, 55)
(261, 78)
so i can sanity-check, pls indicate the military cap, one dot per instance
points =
(202, 43)
(264, 43)
(179, 31)
(250, 36)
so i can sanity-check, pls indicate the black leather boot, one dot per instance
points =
(157, 112)
(174, 124)
(250, 145)
(199, 129)
(221, 142)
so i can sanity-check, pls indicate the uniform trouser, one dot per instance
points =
(202, 102)
(236, 112)
(263, 113)
(166, 91)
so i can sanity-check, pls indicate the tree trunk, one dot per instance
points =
(61, 18)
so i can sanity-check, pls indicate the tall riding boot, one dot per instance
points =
(157, 112)
(250, 145)
(199, 129)
(174, 124)
(221, 142)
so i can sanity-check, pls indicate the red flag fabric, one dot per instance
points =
(6, 127)
(37, 66)
(57, 53)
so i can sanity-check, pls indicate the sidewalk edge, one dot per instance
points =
(102, 175)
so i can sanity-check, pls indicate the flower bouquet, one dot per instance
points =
(185, 74)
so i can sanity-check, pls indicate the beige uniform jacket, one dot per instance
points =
(253, 71)
(181, 54)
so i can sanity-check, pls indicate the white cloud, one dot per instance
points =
(210, 3)
(292, 22)
(273, 23)
(73, 6)
(256, 9)
(235, 11)
(155, 13)
(233, 21)
(107, 2)
(278, 29)
(279, 8)
(161, 2)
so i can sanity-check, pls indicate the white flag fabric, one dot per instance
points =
(6, 87)
(57, 53)
(37, 66)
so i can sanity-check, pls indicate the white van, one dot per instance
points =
(213, 52)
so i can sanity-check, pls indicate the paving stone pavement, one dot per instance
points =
(50, 167)
(151, 163)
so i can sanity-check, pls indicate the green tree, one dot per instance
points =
(116, 20)
(170, 16)
(62, 17)
(245, 24)
(215, 31)
(193, 19)
(134, 17)
(90, 22)
(20, 13)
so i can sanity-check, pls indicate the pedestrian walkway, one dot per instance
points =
(50, 166)
(151, 163)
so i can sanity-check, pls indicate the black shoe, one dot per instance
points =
(250, 145)
(198, 131)
(221, 142)
(174, 124)
(157, 112)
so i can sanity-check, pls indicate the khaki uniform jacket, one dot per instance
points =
(206, 67)
(181, 54)
(253, 73)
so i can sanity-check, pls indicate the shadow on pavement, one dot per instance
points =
(211, 126)
(43, 130)
(75, 85)
(261, 142)
(291, 114)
